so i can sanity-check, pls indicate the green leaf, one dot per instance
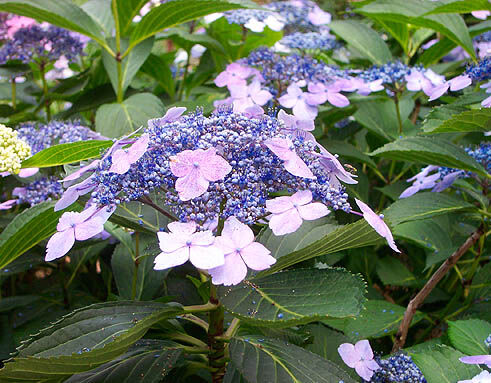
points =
(67, 153)
(176, 12)
(295, 296)
(347, 151)
(127, 10)
(62, 13)
(28, 229)
(148, 361)
(85, 339)
(116, 120)
(129, 65)
(11, 303)
(430, 150)
(416, 12)
(159, 69)
(364, 39)
(273, 361)
(481, 283)
(381, 119)
(468, 336)
(392, 272)
(424, 205)
(476, 120)
(442, 365)
(358, 234)
(399, 31)
(462, 6)
(379, 319)
(187, 40)
(100, 11)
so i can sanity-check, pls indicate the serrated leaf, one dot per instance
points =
(176, 12)
(442, 365)
(85, 339)
(379, 319)
(424, 205)
(363, 39)
(62, 13)
(158, 68)
(432, 151)
(148, 361)
(462, 6)
(416, 12)
(100, 11)
(354, 235)
(468, 336)
(118, 119)
(481, 283)
(13, 302)
(460, 120)
(347, 151)
(127, 10)
(67, 153)
(295, 296)
(29, 228)
(272, 361)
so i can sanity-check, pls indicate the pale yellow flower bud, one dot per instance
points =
(12, 150)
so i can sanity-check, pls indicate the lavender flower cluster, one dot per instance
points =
(480, 71)
(440, 178)
(397, 369)
(303, 14)
(41, 136)
(390, 73)
(40, 190)
(45, 44)
(310, 40)
(240, 140)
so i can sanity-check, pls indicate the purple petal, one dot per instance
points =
(168, 260)
(257, 257)
(460, 82)
(191, 186)
(185, 228)
(81, 171)
(362, 370)
(8, 204)
(477, 359)
(439, 91)
(169, 242)
(337, 99)
(239, 233)
(313, 211)
(279, 205)
(285, 223)
(232, 272)
(59, 244)
(301, 197)
(27, 172)
(363, 349)
(214, 167)
(89, 228)
(206, 257)
(348, 353)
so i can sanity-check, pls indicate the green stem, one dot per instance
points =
(398, 112)
(217, 346)
(188, 339)
(14, 94)
(200, 308)
(45, 90)
(117, 56)
(135, 269)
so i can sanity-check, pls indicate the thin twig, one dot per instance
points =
(418, 300)
(149, 202)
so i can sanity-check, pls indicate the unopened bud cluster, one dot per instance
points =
(12, 150)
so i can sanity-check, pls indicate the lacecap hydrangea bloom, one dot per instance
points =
(13, 150)
(236, 169)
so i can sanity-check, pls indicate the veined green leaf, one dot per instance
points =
(468, 336)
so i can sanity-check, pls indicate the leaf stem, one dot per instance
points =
(413, 305)
(14, 94)
(117, 56)
(42, 69)
(135, 269)
(398, 111)
(216, 345)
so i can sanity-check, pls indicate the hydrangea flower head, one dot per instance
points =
(12, 150)
(184, 243)
(397, 369)
(237, 243)
(360, 357)
(375, 221)
(123, 158)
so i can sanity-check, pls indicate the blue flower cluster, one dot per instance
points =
(480, 71)
(243, 16)
(487, 342)
(310, 40)
(282, 70)
(483, 37)
(389, 73)
(397, 369)
(239, 139)
(41, 190)
(294, 15)
(44, 44)
(42, 136)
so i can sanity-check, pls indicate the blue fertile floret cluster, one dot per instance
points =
(239, 139)
(398, 369)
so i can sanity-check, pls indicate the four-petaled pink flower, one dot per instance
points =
(285, 150)
(320, 93)
(122, 159)
(184, 243)
(237, 242)
(296, 126)
(360, 357)
(426, 81)
(195, 170)
(288, 213)
(246, 96)
(375, 221)
(296, 99)
(235, 74)
(77, 226)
